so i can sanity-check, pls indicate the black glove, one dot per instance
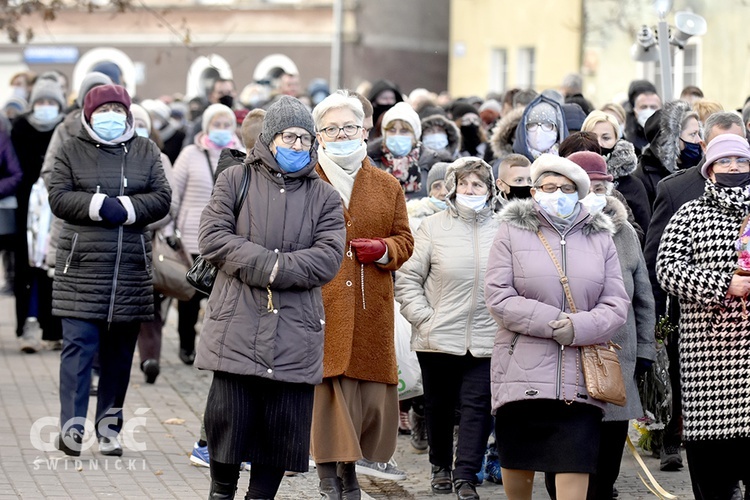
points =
(113, 212)
(642, 365)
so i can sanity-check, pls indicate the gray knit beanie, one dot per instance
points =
(436, 173)
(47, 89)
(91, 80)
(284, 113)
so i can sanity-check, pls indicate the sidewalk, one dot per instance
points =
(165, 422)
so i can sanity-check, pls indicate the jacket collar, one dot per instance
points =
(526, 215)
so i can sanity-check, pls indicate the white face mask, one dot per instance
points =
(558, 203)
(643, 116)
(594, 202)
(541, 140)
(475, 202)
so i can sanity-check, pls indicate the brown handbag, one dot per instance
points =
(602, 372)
(169, 268)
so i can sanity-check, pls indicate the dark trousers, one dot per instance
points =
(461, 382)
(81, 341)
(149, 337)
(717, 466)
(188, 317)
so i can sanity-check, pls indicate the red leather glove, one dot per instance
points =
(369, 249)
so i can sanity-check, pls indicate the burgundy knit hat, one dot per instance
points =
(593, 164)
(102, 95)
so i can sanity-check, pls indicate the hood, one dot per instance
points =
(451, 182)
(519, 142)
(616, 211)
(261, 154)
(622, 161)
(501, 141)
(524, 214)
(451, 129)
(228, 158)
(666, 144)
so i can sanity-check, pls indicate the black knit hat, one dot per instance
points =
(638, 87)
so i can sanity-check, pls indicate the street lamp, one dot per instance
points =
(687, 24)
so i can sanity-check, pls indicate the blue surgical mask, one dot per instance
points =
(142, 131)
(220, 137)
(438, 203)
(399, 145)
(290, 160)
(475, 202)
(46, 112)
(436, 142)
(343, 148)
(558, 203)
(108, 125)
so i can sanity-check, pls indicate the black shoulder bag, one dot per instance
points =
(202, 273)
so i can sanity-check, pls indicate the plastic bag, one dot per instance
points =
(409, 373)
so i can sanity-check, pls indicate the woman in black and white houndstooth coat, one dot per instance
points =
(697, 261)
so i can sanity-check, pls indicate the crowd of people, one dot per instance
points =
(508, 231)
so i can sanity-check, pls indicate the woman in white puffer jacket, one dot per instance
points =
(441, 292)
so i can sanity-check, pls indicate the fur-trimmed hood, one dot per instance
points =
(524, 214)
(666, 145)
(520, 144)
(622, 160)
(616, 212)
(451, 129)
(503, 133)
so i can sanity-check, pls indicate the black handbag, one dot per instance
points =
(202, 273)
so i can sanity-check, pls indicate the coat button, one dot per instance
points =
(278, 175)
(269, 370)
(276, 311)
(281, 190)
(348, 223)
(348, 283)
(276, 250)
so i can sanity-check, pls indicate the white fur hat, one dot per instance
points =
(561, 166)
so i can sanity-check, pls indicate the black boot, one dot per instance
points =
(466, 490)
(349, 484)
(222, 491)
(330, 488)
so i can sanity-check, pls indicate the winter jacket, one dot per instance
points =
(636, 337)
(441, 288)
(194, 175)
(523, 293)
(272, 331)
(103, 273)
(359, 301)
(634, 133)
(696, 261)
(451, 130)
(10, 169)
(520, 144)
(672, 192)
(621, 164)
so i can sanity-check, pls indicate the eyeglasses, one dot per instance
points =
(349, 130)
(599, 189)
(547, 127)
(565, 188)
(290, 138)
(727, 162)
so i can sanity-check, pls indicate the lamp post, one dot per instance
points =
(665, 57)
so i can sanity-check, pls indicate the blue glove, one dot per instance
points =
(642, 365)
(113, 212)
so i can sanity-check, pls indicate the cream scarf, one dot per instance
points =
(342, 170)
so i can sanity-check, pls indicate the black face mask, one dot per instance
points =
(226, 100)
(519, 192)
(607, 151)
(739, 179)
(470, 138)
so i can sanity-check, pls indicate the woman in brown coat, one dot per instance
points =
(355, 412)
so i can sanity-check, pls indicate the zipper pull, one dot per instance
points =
(98, 189)
(126, 182)
(269, 306)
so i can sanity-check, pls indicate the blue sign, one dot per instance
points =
(50, 54)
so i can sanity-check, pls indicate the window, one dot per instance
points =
(499, 70)
(686, 66)
(526, 68)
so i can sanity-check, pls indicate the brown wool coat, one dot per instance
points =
(358, 340)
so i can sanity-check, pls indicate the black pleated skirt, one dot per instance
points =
(548, 435)
(259, 421)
